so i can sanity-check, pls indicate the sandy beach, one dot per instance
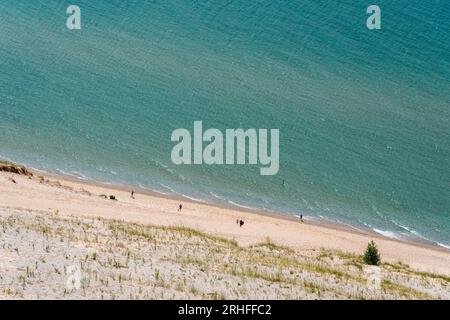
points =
(50, 197)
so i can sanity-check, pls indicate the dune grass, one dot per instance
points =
(121, 260)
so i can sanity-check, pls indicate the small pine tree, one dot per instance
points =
(371, 256)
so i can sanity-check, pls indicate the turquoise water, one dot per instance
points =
(364, 116)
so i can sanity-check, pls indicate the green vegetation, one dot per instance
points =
(371, 256)
(403, 291)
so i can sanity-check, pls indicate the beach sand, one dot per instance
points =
(54, 199)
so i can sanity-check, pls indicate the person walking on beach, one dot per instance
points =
(301, 218)
(241, 223)
(132, 194)
(180, 207)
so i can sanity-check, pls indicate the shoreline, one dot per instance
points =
(68, 196)
(319, 222)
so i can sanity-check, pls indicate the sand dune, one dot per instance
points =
(57, 203)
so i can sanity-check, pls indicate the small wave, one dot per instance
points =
(169, 188)
(409, 230)
(240, 205)
(181, 194)
(173, 172)
(365, 224)
(443, 245)
(43, 172)
(107, 171)
(80, 175)
(64, 172)
(192, 198)
(217, 196)
(420, 236)
(387, 233)
(74, 174)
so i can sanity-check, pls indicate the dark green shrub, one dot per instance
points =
(371, 256)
